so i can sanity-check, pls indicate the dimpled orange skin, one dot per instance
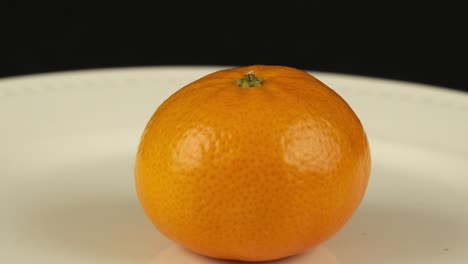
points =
(256, 173)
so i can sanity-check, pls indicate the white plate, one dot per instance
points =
(68, 141)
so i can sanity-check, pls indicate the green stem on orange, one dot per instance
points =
(249, 80)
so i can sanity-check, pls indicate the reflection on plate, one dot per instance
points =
(178, 255)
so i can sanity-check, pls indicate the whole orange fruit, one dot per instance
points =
(252, 163)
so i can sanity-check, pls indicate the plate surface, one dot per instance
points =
(68, 141)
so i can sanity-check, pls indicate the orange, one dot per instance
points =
(252, 163)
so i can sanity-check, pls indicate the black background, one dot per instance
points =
(424, 42)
